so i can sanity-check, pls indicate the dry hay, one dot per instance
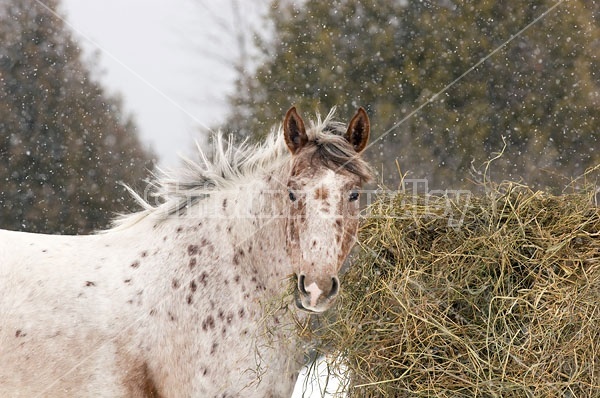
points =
(490, 296)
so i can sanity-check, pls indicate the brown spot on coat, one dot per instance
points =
(144, 253)
(238, 256)
(175, 284)
(321, 193)
(203, 278)
(140, 383)
(208, 323)
(19, 333)
(192, 249)
(193, 262)
(193, 286)
(189, 299)
(89, 283)
(135, 264)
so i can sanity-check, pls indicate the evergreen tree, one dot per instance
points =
(540, 92)
(64, 143)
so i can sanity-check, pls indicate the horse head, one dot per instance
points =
(326, 176)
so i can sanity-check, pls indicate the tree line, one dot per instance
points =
(65, 144)
(537, 93)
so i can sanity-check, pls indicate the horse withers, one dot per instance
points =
(180, 299)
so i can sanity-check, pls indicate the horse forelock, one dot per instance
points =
(327, 146)
(335, 153)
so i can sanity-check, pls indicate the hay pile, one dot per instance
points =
(491, 296)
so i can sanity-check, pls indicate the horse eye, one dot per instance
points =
(353, 196)
(292, 196)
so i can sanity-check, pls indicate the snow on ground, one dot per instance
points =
(316, 382)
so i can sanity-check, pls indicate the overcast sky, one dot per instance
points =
(171, 61)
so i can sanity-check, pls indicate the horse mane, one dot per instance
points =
(228, 165)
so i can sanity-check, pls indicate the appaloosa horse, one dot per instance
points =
(186, 298)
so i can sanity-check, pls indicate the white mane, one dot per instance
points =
(227, 166)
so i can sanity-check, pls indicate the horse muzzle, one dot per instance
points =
(316, 294)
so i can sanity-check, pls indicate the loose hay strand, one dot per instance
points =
(503, 304)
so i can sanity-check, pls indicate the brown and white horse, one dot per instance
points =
(186, 298)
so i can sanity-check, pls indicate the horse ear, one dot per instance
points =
(358, 130)
(294, 131)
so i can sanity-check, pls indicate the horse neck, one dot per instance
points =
(255, 213)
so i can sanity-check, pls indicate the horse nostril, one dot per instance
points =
(335, 286)
(301, 286)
